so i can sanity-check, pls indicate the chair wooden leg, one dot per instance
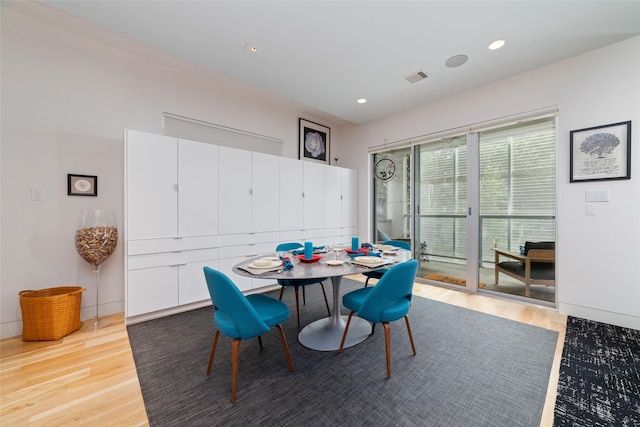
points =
(366, 282)
(387, 344)
(281, 292)
(304, 296)
(326, 302)
(235, 351)
(213, 350)
(346, 329)
(413, 347)
(298, 305)
(260, 341)
(286, 348)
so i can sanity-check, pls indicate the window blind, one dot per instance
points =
(197, 130)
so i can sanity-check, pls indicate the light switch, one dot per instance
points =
(37, 194)
(591, 210)
(596, 196)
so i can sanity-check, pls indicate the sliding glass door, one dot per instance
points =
(441, 205)
(517, 202)
(474, 194)
(392, 195)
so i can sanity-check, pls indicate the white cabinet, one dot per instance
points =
(151, 191)
(235, 248)
(171, 187)
(291, 194)
(265, 192)
(349, 199)
(197, 189)
(190, 204)
(249, 197)
(162, 280)
(313, 210)
(332, 197)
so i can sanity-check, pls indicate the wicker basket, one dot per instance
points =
(50, 314)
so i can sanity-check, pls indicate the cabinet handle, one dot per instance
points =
(177, 265)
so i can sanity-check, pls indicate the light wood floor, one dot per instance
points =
(89, 377)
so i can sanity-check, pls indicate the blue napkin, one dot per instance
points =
(286, 264)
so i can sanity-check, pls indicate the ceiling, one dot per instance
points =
(328, 54)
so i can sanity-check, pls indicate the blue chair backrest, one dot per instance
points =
(234, 316)
(396, 284)
(398, 244)
(288, 246)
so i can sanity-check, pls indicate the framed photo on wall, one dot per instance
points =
(82, 185)
(314, 142)
(601, 152)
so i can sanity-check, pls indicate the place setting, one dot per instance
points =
(263, 265)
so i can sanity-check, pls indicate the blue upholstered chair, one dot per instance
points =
(377, 274)
(242, 317)
(297, 283)
(385, 302)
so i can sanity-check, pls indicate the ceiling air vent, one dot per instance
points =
(416, 77)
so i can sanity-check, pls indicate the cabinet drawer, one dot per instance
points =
(151, 290)
(149, 246)
(248, 251)
(248, 238)
(176, 258)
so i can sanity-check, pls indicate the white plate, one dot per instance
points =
(335, 262)
(270, 258)
(264, 264)
(368, 259)
(390, 252)
(389, 248)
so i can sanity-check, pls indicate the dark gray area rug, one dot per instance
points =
(471, 369)
(599, 383)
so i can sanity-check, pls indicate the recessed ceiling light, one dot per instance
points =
(456, 61)
(496, 44)
(361, 101)
(252, 47)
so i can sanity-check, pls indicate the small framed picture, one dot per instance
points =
(601, 152)
(82, 185)
(314, 142)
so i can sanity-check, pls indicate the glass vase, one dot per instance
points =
(96, 239)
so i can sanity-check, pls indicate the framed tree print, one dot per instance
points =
(601, 152)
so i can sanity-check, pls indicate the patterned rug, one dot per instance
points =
(599, 381)
(449, 279)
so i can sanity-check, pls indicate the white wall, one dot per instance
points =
(597, 256)
(66, 100)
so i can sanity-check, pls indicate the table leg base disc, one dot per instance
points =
(326, 334)
(92, 325)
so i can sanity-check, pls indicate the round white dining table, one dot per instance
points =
(325, 334)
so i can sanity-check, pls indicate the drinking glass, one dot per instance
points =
(96, 239)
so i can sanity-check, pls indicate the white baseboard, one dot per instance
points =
(612, 318)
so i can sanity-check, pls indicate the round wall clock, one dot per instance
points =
(385, 169)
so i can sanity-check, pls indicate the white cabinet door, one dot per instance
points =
(349, 197)
(193, 286)
(152, 199)
(243, 283)
(332, 197)
(265, 199)
(291, 189)
(197, 189)
(313, 195)
(151, 289)
(235, 190)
